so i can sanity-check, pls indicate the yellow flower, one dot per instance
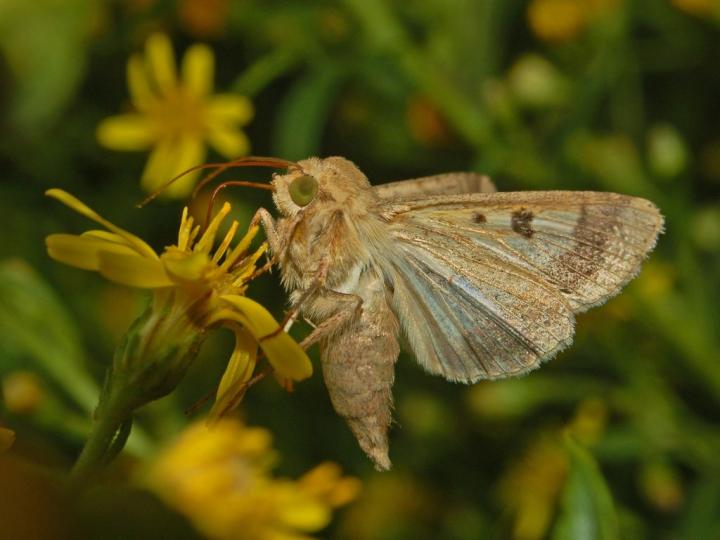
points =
(563, 20)
(196, 288)
(531, 487)
(204, 18)
(219, 477)
(698, 7)
(22, 392)
(176, 115)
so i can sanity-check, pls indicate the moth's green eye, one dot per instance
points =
(303, 190)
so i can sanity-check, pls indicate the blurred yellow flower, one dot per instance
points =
(588, 425)
(563, 20)
(536, 83)
(219, 477)
(698, 7)
(195, 288)
(176, 115)
(531, 487)
(204, 18)
(425, 122)
(22, 392)
(7, 438)
(656, 281)
(390, 501)
(661, 484)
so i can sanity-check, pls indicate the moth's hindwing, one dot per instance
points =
(485, 285)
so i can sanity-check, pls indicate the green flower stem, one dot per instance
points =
(109, 433)
(149, 363)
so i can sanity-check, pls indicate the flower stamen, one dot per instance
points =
(222, 248)
(239, 249)
(206, 241)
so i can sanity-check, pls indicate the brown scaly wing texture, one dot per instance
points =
(440, 184)
(485, 285)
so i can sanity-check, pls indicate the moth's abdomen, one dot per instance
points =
(358, 368)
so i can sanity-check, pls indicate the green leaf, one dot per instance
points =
(33, 323)
(264, 71)
(588, 511)
(45, 45)
(304, 113)
(701, 518)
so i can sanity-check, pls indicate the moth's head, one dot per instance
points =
(315, 181)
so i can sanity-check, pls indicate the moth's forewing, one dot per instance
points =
(485, 285)
(439, 184)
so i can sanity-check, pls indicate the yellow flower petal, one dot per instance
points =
(141, 92)
(239, 370)
(159, 166)
(230, 109)
(7, 438)
(198, 70)
(191, 152)
(185, 267)
(127, 132)
(161, 62)
(283, 353)
(170, 158)
(304, 513)
(133, 271)
(326, 483)
(284, 534)
(83, 251)
(228, 141)
(557, 20)
(81, 208)
(107, 237)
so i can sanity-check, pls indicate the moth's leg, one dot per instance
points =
(319, 280)
(265, 219)
(277, 243)
(351, 305)
(317, 284)
(290, 322)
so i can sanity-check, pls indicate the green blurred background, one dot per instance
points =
(618, 437)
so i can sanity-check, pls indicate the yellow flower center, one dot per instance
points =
(179, 113)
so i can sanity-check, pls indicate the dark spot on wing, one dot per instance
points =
(522, 222)
(586, 256)
(477, 217)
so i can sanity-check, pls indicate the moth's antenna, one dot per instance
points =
(246, 161)
(222, 186)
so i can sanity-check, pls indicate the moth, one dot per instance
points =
(481, 284)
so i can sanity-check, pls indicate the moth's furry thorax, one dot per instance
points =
(335, 225)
